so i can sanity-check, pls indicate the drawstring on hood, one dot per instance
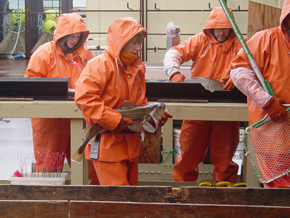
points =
(116, 61)
(206, 48)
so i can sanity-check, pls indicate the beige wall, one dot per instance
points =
(189, 22)
(272, 3)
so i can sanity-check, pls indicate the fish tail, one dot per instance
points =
(78, 156)
(92, 130)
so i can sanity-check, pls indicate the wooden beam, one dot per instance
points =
(30, 209)
(262, 17)
(152, 194)
(132, 209)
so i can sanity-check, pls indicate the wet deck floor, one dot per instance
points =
(13, 68)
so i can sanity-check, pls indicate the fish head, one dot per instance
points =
(154, 117)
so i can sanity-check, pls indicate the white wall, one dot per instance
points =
(189, 22)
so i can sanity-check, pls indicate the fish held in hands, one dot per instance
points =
(209, 84)
(145, 118)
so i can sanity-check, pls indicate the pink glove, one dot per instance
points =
(177, 77)
(276, 111)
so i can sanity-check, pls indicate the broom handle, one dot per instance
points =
(244, 45)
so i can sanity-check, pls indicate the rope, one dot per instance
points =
(16, 41)
(168, 152)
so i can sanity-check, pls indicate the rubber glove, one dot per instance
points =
(177, 77)
(276, 111)
(229, 85)
(122, 125)
(165, 118)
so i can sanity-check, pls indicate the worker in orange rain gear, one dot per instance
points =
(211, 52)
(271, 50)
(64, 57)
(106, 82)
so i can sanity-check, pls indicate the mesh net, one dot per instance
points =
(267, 146)
(14, 32)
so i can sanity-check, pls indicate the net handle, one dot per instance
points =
(245, 47)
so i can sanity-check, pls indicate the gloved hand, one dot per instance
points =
(165, 118)
(122, 125)
(177, 77)
(276, 111)
(229, 85)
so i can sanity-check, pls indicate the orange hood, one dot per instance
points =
(69, 24)
(217, 19)
(285, 12)
(120, 32)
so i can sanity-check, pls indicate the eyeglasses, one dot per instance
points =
(222, 30)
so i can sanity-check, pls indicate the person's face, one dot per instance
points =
(72, 39)
(221, 34)
(287, 20)
(133, 46)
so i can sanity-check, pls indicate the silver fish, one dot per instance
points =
(209, 84)
(145, 118)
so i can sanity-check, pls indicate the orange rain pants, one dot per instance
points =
(127, 172)
(45, 149)
(195, 137)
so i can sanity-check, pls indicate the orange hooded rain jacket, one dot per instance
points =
(49, 61)
(211, 59)
(104, 85)
(271, 50)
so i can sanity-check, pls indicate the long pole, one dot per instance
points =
(244, 46)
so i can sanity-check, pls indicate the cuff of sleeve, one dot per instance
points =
(268, 102)
(118, 124)
(173, 74)
(170, 70)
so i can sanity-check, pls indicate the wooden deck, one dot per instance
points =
(13, 68)
(142, 201)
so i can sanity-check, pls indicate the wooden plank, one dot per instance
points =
(129, 209)
(276, 3)
(166, 183)
(262, 17)
(151, 148)
(79, 171)
(40, 109)
(31, 209)
(152, 194)
(15, 99)
(182, 100)
(89, 193)
(208, 111)
(235, 196)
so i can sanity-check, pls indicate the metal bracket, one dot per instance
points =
(129, 7)
(155, 7)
